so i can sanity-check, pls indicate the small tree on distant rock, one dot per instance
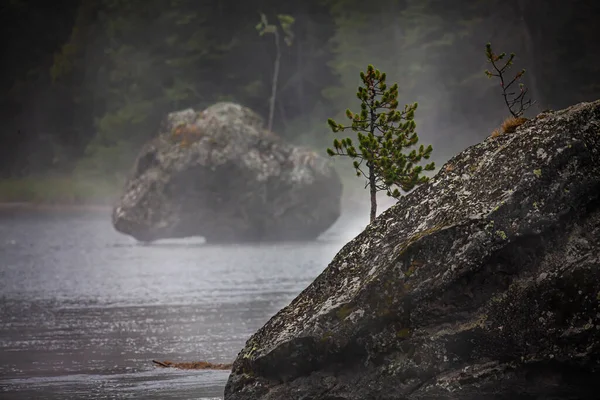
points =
(516, 102)
(263, 27)
(383, 133)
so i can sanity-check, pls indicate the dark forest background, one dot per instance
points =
(86, 82)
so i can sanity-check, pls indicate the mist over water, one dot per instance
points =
(84, 310)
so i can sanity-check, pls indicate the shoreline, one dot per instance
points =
(33, 206)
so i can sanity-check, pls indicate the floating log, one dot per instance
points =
(192, 365)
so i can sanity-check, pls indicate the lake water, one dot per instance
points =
(85, 310)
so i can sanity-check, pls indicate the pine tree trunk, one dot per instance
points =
(372, 187)
(274, 85)
(373, 191)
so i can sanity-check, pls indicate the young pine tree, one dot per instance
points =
(516, 101)
(383, 133)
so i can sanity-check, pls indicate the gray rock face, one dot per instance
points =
(219, 174)
(483, 284)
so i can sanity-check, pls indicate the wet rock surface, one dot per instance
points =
(482, 284)
(219, 174)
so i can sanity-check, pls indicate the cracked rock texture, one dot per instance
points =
(219, 174)
(482, 284)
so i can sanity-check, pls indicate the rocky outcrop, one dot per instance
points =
(482, 284)
(220, 175)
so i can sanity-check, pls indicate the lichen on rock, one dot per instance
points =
(481, 284)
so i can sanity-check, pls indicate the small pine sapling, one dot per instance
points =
(516, 102)
(383, 132)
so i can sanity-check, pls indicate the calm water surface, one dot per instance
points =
(84, 310)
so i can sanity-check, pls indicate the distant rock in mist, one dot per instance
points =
(219, 174)
(482, 284)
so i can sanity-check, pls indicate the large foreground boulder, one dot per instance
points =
(483, 284)
(220, 175)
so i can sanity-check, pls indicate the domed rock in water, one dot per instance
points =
(220, 175)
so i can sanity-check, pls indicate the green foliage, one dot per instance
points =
(516, 102)
(163, 59)
(99, 75)
(286, 22)
(383, 133)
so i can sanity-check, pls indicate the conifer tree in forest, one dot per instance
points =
(286, 22)
(383, 133)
